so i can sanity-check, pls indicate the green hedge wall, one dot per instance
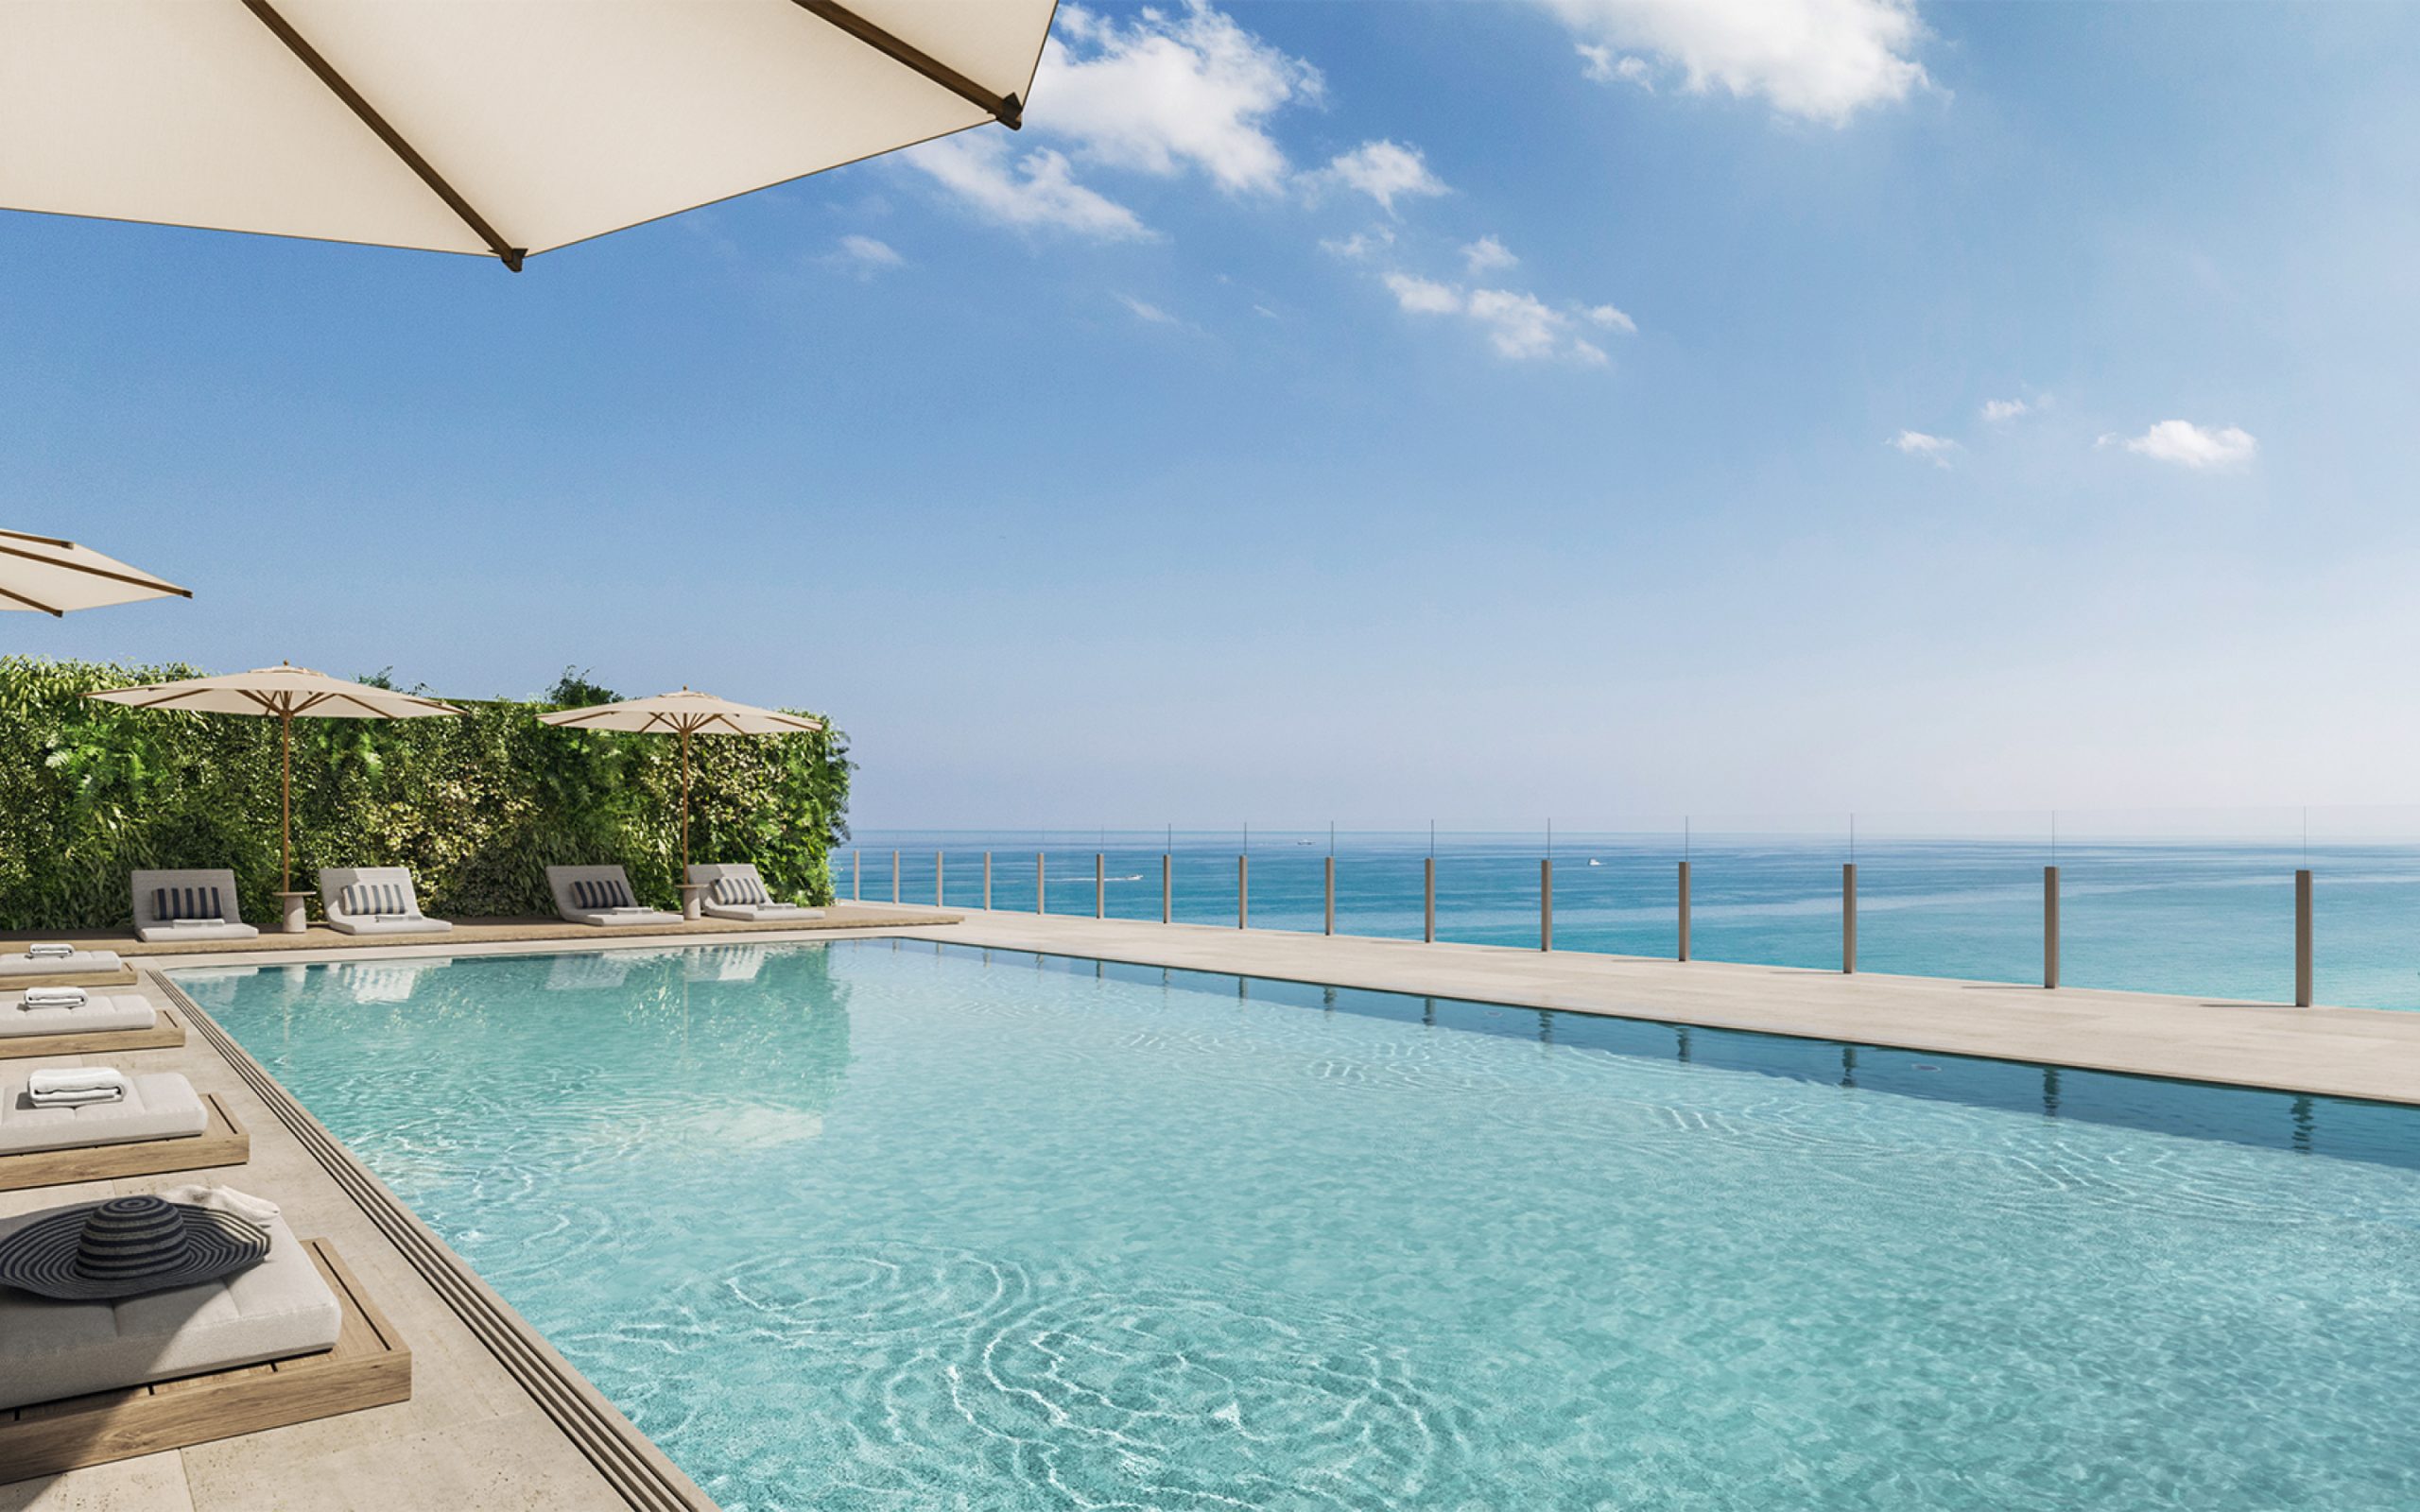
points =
(478, 808)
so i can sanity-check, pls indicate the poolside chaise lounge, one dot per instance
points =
(89, 1374)
(734, 890)
(187, 906)
(375, 900)
(102, 1021)
(160, 1125)
(17, 969)
(601, 895)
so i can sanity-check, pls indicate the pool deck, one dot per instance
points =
(2366, 1052)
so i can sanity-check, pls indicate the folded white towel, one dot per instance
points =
(77, 1079)
(74, 1099)
(258, 1211)
(53, 997)
(48, 952)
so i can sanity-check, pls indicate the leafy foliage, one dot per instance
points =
(477, 808)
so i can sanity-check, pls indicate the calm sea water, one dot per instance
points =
(2206, 917)
(895, 1226)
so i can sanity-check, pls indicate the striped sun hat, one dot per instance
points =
(125, 1247)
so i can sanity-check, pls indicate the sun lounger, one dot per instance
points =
(178, 906)
(601, 896)
(375, 900)
(15, 968)
(98, 1013)
(734, 890)
(161, 1126)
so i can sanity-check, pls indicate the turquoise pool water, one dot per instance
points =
(896, 1226)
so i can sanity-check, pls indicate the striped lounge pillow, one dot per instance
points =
(741, 888)
(596, 897)
(171, 906)
(383, 898)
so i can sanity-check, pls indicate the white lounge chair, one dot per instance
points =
(187, 906)
(99, 1013)
(375, 900)
(272, 1311)
(601, 896)
(734, 890)
(78, 963)
(158, 1105)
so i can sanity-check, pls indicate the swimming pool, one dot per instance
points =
(891, 1224)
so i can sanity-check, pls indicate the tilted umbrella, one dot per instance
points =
(683, 713)
(283, 693)
(502, 127)
(52, 575)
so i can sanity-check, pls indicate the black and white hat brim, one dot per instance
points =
(41, 1257)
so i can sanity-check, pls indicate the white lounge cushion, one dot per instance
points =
(158, 1106)
(98, 1014)
(272, 1311)
(762, 913)
(196, 929)
(82, 963)
(406, 924)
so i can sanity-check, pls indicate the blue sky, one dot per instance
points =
(1372, 412)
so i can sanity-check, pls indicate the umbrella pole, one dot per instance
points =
(684, 807)
(286, 804)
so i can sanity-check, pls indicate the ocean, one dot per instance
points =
(2202, 915)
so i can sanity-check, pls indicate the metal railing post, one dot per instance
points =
(1685, 912)
(986, 881)
(1546, 903)
(895, 876)
(856, 875)
(2302, 938)
(939, 895)
(1428, 899)
(1041, 883)
(1848, 917)
(2049, 926)
(1100, 886)
(1331, 895)
(1167, 889)
(1243, 892)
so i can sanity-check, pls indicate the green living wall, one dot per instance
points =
(477, 808)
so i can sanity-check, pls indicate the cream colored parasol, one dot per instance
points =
(45, 574)
(683, 713)
(284, 693)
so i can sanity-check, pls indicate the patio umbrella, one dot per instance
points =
(283, 692)
(503, 127)
(683, 713)
(53, 576)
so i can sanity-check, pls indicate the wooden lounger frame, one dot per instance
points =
(370, 1366)
(221, 1142)
(166, 1032)
(123, 976)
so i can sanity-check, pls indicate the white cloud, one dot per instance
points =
(1423, 296)
(1164, 91)
(1936, 449)
(1148, 312)
(1519, 326)
(1360, 244)
(1820, 60)
(865, 256)
(2001, 411)
(1384, 170)
(1611, 319)
(1037, 192)
(2186, 444)
(1487, 255)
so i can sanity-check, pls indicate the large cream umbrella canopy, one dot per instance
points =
(498, 128)
(283, 693)
(45, 574)
(683, 713)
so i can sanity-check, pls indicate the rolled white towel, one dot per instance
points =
(53, 997)
(258, 1211)
(48, 951)
(75, 1099)
(77, 1079)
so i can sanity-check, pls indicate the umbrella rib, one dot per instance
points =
(30, 603)
(341, 89)
(39, 540)
(138, 579)
(1006, 109)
